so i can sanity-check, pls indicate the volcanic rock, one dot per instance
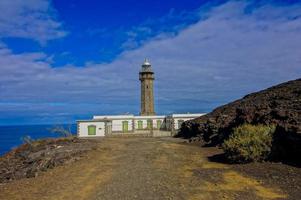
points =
(279, 105)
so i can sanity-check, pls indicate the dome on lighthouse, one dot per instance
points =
(146, 62)
(146, 66)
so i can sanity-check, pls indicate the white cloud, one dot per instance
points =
(33, 19)
(220, 58)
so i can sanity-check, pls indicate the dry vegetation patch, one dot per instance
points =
(34, 157)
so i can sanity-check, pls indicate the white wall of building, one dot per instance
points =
(83, 129)
(144, 123)
(183, 117)
(145, 119)
(117, 124)
(177, 120)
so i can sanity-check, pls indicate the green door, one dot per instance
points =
(140, 125)
(159, 123)
(91, 130)
(149, 124)
(125, 126)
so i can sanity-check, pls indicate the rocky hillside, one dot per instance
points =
(279, 105)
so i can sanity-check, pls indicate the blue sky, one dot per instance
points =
(67, 60)
(99, 31)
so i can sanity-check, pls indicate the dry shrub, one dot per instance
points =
(249, 143)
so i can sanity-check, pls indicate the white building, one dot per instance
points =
(177, 119)
(110, 125)
(147, 123)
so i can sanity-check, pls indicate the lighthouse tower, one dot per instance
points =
(146, 77)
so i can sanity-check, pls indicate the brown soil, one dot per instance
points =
(152, 168)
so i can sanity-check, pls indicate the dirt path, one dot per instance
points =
(141, 168)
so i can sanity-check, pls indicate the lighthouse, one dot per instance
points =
(146, 77)
(148, 123)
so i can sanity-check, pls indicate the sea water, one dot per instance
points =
(12, 136)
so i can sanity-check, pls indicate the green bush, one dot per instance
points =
(249, 143)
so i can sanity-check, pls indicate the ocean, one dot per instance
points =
(11, 136)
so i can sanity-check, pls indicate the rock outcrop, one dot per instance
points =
(279, 105)
(32, 158)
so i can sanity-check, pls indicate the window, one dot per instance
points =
(140, 124)
(125, 126)
(159, 123)
(149, 124)
(91, 130)
(180, 122)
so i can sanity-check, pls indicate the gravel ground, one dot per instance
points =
(146, 168)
